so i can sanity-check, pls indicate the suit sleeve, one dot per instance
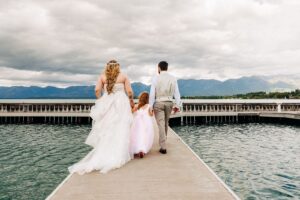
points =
(177, 95)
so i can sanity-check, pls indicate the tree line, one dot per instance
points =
(254, 95)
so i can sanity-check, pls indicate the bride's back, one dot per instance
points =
(120, 79)
(110, 77)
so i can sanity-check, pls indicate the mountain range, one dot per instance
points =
(187, 87)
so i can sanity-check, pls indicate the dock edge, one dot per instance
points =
(210, 170)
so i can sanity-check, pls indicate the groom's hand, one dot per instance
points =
(176, 109)
(151, 111)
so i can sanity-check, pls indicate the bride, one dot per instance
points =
(112, 118)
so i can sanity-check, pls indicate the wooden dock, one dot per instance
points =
(179, 175)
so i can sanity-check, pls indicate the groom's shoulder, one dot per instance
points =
(172, 76)
(154, 79)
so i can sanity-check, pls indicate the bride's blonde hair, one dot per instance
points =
(112, 72)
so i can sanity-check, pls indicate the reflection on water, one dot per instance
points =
(34, 158)
(257, 161)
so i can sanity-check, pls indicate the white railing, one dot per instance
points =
(197, 105)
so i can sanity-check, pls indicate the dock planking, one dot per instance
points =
(180, 174)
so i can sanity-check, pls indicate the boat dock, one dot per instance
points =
(180, 175)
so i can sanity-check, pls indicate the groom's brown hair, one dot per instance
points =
(163, 65)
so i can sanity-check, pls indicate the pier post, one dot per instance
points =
(279, 107)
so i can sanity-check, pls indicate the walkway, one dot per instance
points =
(179, 175)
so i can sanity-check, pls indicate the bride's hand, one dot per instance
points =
(132, 103)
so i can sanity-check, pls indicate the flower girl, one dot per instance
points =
(142, 130)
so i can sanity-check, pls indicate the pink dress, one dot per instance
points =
(142, 131)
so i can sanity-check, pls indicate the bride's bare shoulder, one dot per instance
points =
(123, 77)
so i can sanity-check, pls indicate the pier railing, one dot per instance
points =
(68, 110)
(46, 106)
(235, 105)
(84, 106)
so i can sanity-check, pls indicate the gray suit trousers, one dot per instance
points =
(162, 111)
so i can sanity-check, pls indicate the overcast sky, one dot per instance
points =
(67, 42)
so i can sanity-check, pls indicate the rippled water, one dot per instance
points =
(34, 158)
(257, 161)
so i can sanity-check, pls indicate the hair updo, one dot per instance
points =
(112, 72)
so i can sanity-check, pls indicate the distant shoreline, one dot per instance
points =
(252, 95)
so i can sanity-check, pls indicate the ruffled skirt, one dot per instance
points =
(110, 135)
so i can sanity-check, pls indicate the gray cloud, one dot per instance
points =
(200, 39)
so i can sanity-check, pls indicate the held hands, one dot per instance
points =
(134, 109)
(176, 110)
(151, 111)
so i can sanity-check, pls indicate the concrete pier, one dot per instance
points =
(180, 174)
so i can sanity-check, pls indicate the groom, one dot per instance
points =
(164, 87)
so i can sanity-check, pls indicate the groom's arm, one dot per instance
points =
(152, 93)
(177, 96)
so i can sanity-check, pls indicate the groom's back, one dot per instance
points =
(165, 86)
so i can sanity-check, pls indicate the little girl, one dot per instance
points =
(142, 130)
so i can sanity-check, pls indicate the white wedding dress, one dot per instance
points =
(110, 134)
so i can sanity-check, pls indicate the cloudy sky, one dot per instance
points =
(67, 42)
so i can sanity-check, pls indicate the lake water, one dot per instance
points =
(256, 161)
(34, 158)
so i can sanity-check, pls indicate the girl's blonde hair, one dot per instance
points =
(112, 72)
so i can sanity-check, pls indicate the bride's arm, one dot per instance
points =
(99, 86)
(129, 90)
